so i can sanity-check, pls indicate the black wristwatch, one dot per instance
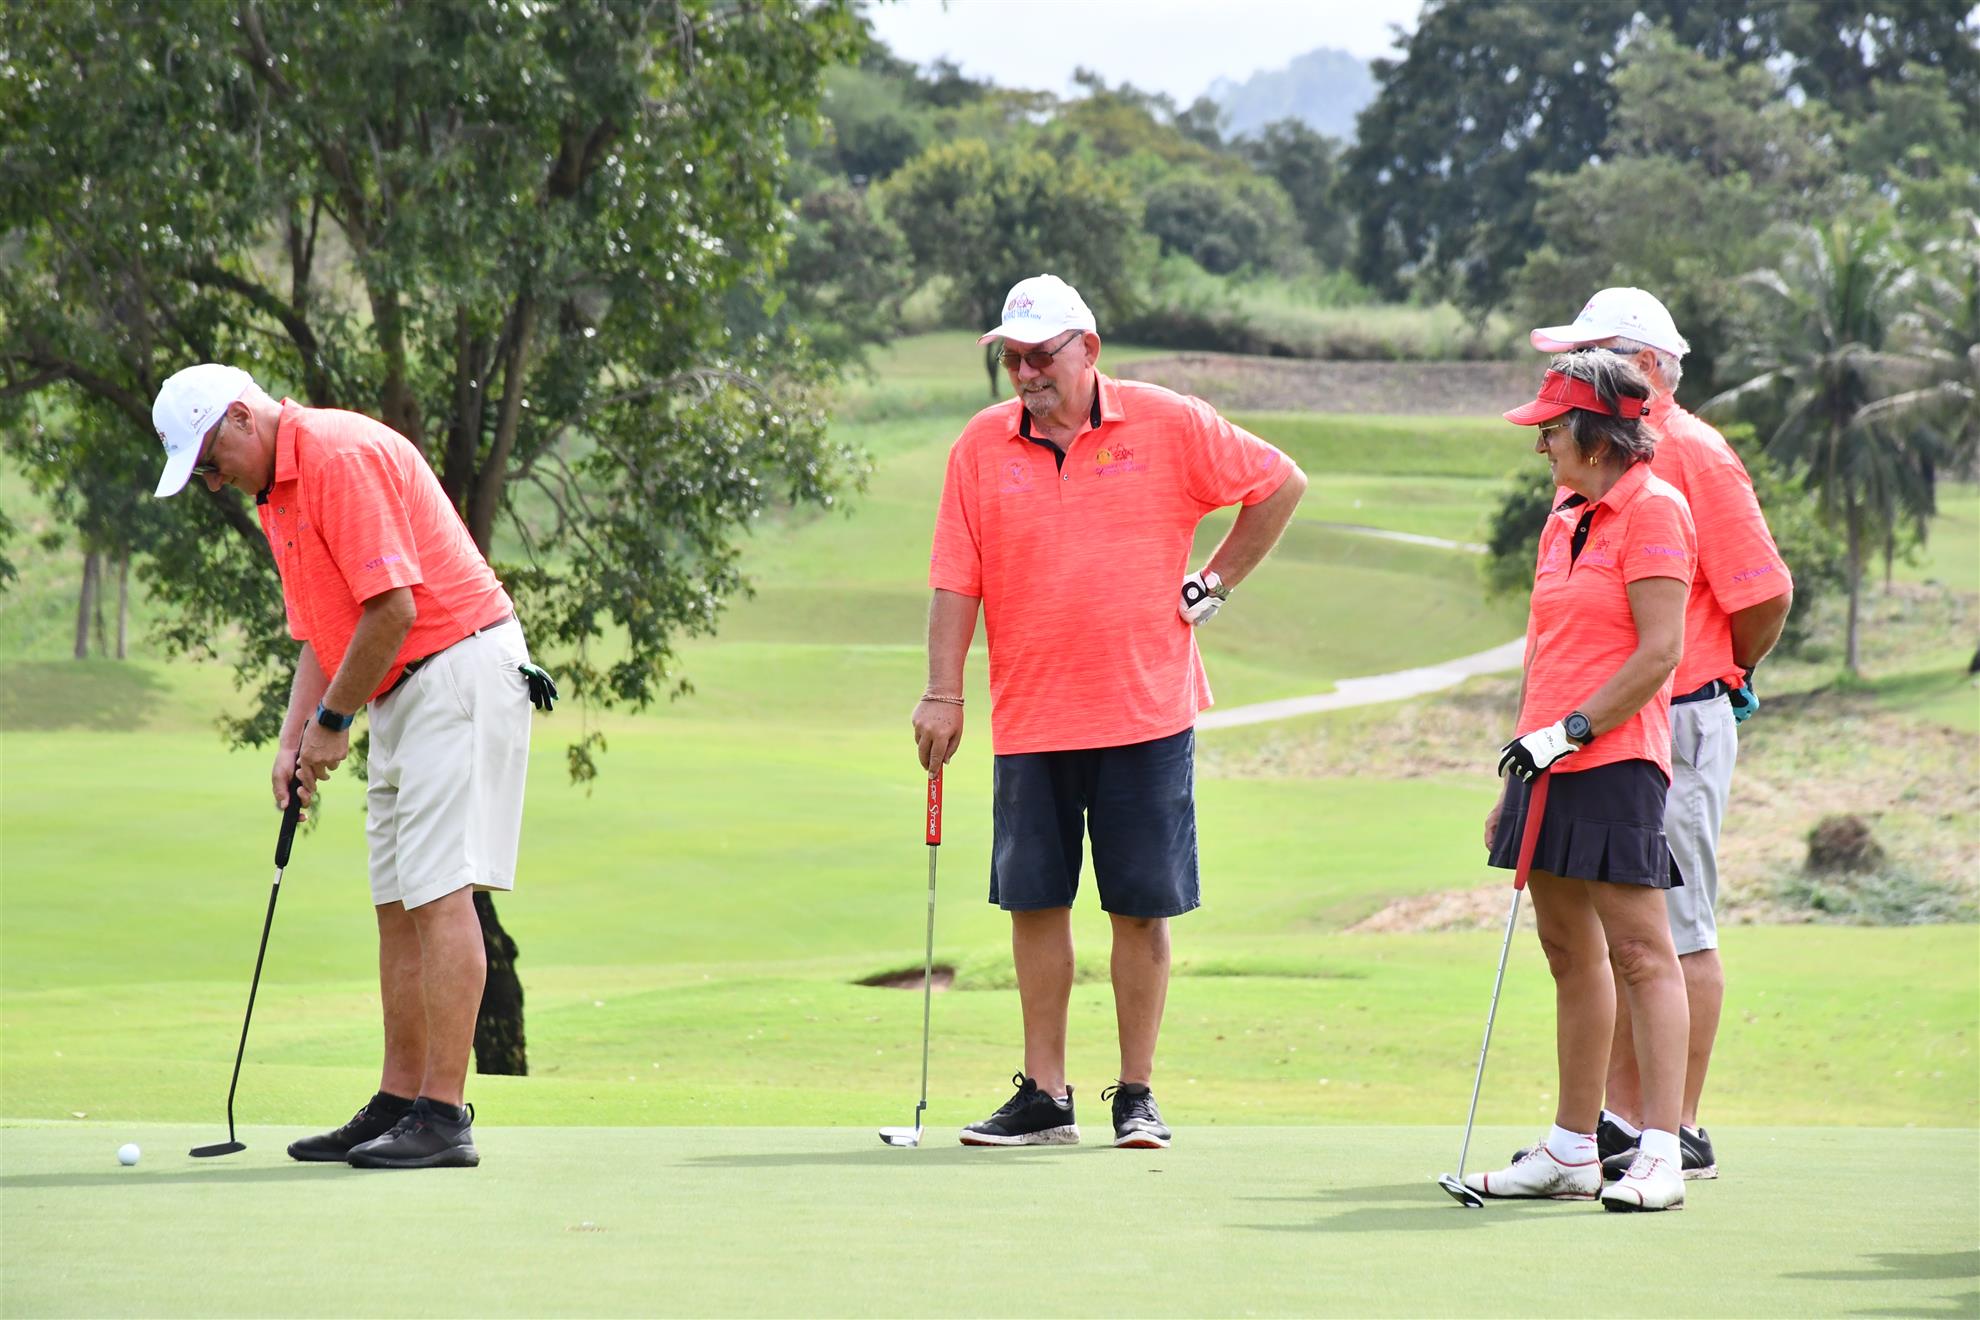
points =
(1577, 727)
(331, 720)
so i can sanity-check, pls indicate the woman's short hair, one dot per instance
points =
(1613, 378)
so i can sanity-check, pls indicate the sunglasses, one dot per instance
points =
(204, 469)
(1037, 359)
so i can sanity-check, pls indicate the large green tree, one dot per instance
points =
(984, 218)
(1703, 159)
(1489, 92)
(508, 229)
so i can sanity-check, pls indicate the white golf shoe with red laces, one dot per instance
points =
(1538, 1174)
(1651, 1184)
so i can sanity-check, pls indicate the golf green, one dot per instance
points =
(827, 1221)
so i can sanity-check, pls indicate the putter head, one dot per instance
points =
(901, 1136)
(1463, 1195)
(217, 1148)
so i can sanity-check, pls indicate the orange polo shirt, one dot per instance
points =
(1579, 629)
(353, 512)
(1738, 564)
(1080, 568)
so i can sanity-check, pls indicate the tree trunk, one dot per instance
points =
(498, 1027)
(1854, 568)
(992, 351)
(123, 603)
(86, 602)
(494, 472)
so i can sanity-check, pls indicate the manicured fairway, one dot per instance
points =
(794, 1221)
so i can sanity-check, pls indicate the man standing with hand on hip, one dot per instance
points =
(1068, 515)
(396, 608)
(1739, 601)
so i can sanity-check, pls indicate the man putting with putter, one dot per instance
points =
(1068, 515)
(395, 608)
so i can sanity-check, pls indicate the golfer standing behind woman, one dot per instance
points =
(1603, 636)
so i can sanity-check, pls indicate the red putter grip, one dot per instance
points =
(1529, 835)
(935, 809)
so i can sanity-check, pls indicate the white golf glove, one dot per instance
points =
(1530, 753)
(1203, 594)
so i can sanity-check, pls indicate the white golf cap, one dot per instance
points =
(188, 404)
(1630, 313)
(1039, 308)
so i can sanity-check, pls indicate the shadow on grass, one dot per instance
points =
(948, 1154)
(138, 1181)
(51, 695)
(1967, 1304)
(1904, 1265)
(1402, 1208)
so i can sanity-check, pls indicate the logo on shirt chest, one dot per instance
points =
(1109, 460)
(1601, 553)
(1015, 479)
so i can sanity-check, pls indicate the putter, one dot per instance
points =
(911, 1136)
(1529, 835)
(290, 815)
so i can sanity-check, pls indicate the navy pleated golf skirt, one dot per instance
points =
(1601, 824)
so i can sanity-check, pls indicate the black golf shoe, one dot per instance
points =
(1694, 1146)
(1029, 1118)
(1611, 1143)
(379, 1115)
(426, 1138)
(1137, 1122)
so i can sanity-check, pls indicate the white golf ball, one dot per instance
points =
(127, 1153)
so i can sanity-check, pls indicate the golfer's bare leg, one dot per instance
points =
(1623, 1095)
(1584, 994)
(1646, 969)
(1042, 950)
(1705, 994)
(453, 967)
(399, 994)
(1141, 990)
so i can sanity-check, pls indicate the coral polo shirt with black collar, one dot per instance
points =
(1078, 554)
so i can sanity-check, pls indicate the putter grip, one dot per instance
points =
(1529, 834)
(290, 815)
(935, 808)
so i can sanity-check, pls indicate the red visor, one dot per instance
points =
(1559, 394)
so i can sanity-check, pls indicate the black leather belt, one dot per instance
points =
(414, 666)
(1715, 688)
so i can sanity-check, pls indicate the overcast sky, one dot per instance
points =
(1173, 46)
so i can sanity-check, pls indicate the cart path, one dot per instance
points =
(1378, 688)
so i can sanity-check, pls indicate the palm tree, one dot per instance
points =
(1942, 367)
(1819, 352)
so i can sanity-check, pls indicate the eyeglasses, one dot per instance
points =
(1547, 432)
(1038, 359)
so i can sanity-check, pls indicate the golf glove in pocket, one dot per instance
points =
(1530, 753)
(542, 688)
(1744, 701)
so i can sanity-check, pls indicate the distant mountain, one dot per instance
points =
(1326, 87)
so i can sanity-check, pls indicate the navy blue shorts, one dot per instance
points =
(1137, 801)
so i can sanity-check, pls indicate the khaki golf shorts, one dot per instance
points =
(1704, 746)
(449, 753)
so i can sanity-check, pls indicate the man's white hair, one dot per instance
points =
(1669, 365)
